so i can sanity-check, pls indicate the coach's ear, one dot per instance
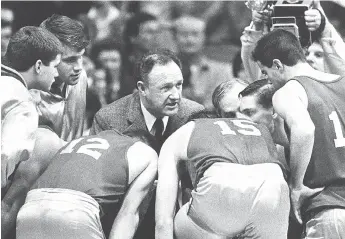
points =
(38, 66)
(141, 87)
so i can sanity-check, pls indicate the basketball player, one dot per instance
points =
(94, 186)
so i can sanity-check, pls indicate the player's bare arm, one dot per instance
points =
(291, 103)
(173, 150)
(142, 163)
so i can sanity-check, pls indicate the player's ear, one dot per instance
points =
(277, 64)
(38, 66)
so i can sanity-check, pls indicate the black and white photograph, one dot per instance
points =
(219, 119)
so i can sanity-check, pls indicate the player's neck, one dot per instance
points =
(304, 69)
(301, 69)
(59, 83)
(29, 78)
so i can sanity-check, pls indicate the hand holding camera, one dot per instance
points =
(299, 18)
(312, 19)
(261, 18)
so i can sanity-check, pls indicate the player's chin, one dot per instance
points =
(73, 80)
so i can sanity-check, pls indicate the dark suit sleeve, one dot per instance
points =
(97, 125)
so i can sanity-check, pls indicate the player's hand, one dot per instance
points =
(297, 198)
(260, 18)
(312, 19)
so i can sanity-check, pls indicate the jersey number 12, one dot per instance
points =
(88, 149)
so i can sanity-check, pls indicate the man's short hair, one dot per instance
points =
(133, 24)
(30, 44)
(70, 32)
(221, 90)
(152, 58)
(278, 44)
(263, 90)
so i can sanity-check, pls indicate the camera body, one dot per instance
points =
(291, 18)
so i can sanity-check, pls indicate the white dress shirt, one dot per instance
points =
(150, 119)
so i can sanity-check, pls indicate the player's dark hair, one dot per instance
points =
(278, 44)
(30, 44)
(69, 31)
(262, 89)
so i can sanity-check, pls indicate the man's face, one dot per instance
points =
(48, 74)
(315, 56)
(110, 59)
(274, 74)
(256, 112)
(148, 37)
(189, 38)
(161, 93)
(71, 65)
(230, 103)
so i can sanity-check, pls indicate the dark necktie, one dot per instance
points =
(159, 127)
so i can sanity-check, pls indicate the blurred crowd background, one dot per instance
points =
(121, 31)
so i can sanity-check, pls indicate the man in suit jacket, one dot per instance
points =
(159, 97)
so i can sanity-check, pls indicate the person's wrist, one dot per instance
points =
(317, 34)
(323, 22)
(258, 25)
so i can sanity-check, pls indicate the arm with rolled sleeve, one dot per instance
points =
(248, 39)
(250, 36)
(331, 43)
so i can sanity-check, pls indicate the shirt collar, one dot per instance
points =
(150, 119)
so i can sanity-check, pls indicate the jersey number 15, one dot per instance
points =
(245, 129)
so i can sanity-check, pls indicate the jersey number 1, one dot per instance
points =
(339, 141)
(88, 149)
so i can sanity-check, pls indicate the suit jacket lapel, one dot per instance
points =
(135, 116)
